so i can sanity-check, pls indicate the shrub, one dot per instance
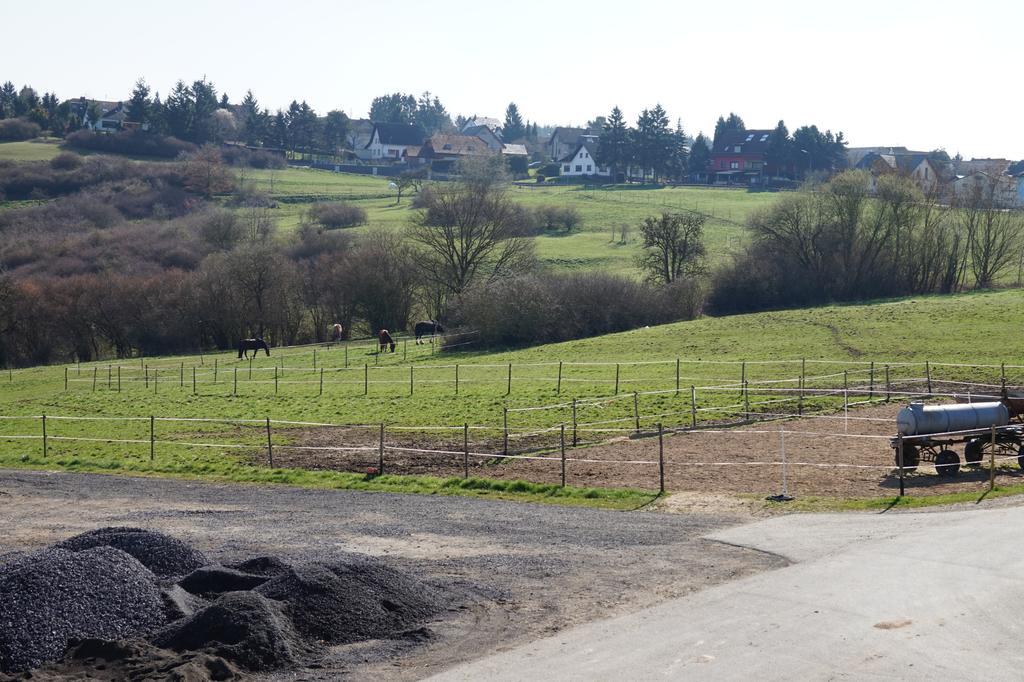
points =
(15, 129)
(558, 217)
(66, 161)
(337, 214)
(136, 142)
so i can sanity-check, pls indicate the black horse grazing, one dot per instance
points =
(254, 345)
(385, 341)
(428, 328)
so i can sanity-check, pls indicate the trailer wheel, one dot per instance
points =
(912, 457)
(974, 451)
(947, 463)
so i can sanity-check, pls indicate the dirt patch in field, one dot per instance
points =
(825, 455)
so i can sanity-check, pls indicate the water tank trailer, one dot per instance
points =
(930, 431)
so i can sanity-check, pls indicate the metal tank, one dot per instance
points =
(919, 419)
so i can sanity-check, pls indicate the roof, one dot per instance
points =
(575, 151)
(478, 121)
(398, 134)
(749, 142)
(514, 150)
(478, 129)
(871, 161)
(990, 166)
(569, 135)
(442, 144)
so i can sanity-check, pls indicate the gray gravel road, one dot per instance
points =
(526, 570)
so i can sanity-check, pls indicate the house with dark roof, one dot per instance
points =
(486, 133)
(740, 157)
(394, 141)
(581, 162)
(564, 141)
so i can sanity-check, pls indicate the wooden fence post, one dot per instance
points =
(44, 436)
(405, 349)
(661, 459)
(234, 388)
(992, 461)
(314, 358)
(270, 446)
(509, 391)
(366, 378)
(94, 371)
(215, 365)
(616, 378)
(66, 379)
(574, 440)
(152, 438)
(743, 374)
(871, 380)
(119, 378)
(561, 440)
(558, 388)
(456, 378)
(888, 385)
(321, 381)
(250, 366)
(677, 376)
(746, 400)
(693, 406)
(899, 455)
(193, 379)
(636, 411)
(928, 375)
(145, 371)
(504, 411)
(465, 450)
(410, 379)
(181, 375)
(275, 379)
(346, 356)
(380, 452)
(109, 377)
(156, 381)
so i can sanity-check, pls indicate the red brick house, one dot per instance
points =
(738, 157)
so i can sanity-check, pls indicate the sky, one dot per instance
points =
(911, 73)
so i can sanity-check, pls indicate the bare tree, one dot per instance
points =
(674, 246)
(993, 232)
(468, 231)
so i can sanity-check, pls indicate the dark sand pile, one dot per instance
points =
(163, 555)
(50, 597)
(144, 605)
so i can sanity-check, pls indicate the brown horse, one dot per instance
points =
(385, 341)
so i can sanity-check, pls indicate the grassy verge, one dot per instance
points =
(229, 470)
(880, 504)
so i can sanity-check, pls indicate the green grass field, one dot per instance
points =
(41, 149)
(591, 247)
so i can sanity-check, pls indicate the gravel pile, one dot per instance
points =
(353, 599)
(243, 627)
(131, 584)
(213, 580)
(162, 554)
(50, 597)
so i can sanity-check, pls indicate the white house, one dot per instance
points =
(1000, 190)
(394, 141)
(581, 163)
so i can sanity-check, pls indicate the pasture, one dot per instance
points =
(40, 149)
(591, 247)
(413, 392)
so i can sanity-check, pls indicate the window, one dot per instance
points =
(590, 169)
(736, 149)
(734, 165)
(750, 137)
(566, 168)
(764, 138)
(579, 168)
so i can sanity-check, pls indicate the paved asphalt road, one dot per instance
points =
(937, 595)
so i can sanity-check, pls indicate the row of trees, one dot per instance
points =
(653, 145)
(837, 242)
